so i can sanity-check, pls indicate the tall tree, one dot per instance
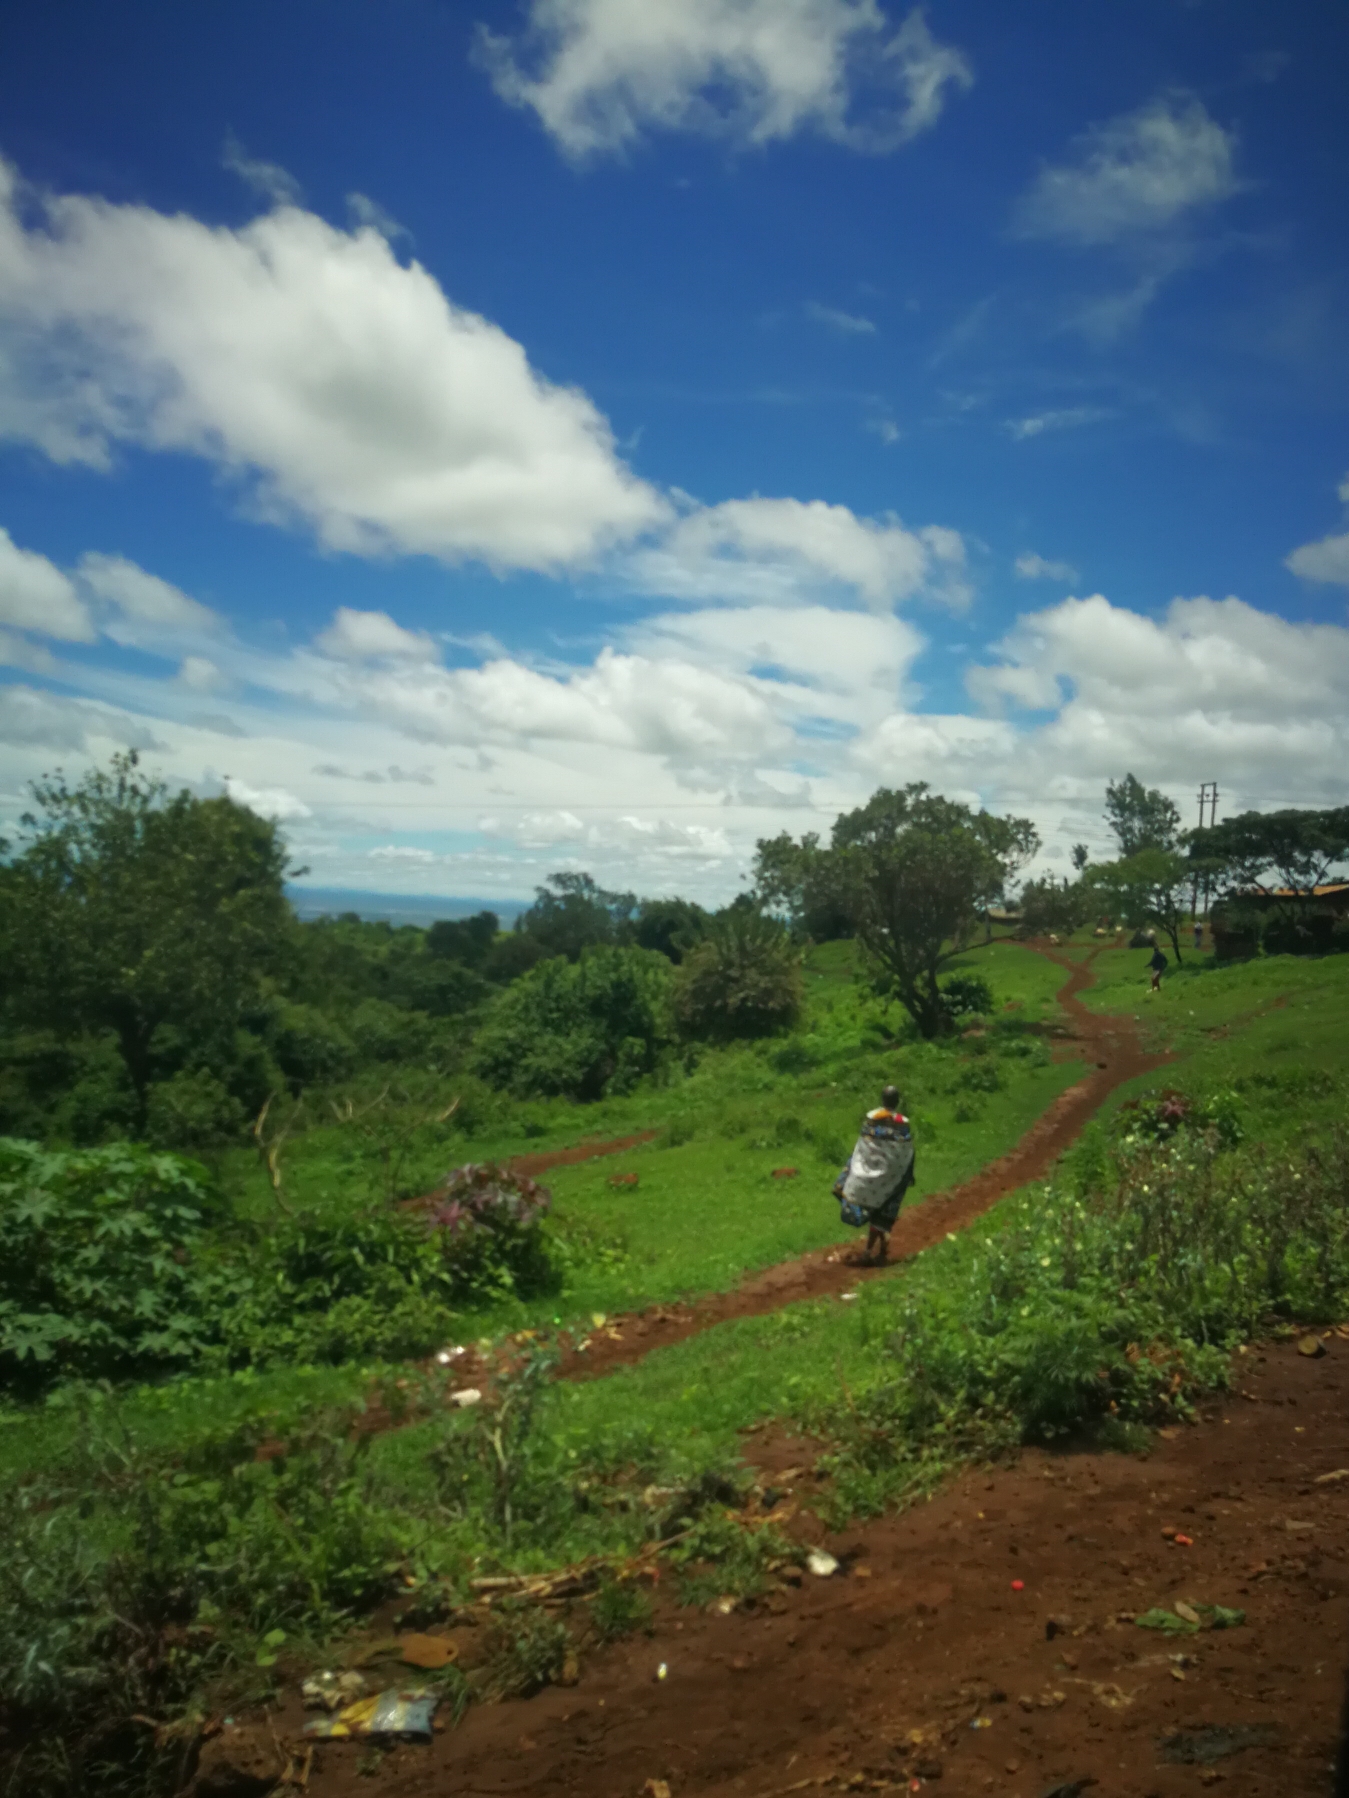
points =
(129, 909)
(571, 912)
(1141, 817)
(915, 871)
(793, 880)
(1282, 855)
(1150, 887)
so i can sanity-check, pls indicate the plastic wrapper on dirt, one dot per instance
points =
(405, 1712)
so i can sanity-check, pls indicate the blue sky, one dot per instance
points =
(497, 437)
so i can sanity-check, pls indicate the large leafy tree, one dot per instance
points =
(1141, 817)
(1282, 855)
(795, 880)
(134, 911)
(1152, 886)
(914, 871)
(571, 912)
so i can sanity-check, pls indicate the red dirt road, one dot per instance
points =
(1110, 1042)
(879, 1676)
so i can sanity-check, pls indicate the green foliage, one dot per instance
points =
(130, 910)
(1283, 855)
(742, 980)
(311, 1048)
(672, 926)
(525, 1651)
(192, 1111)
(1152, 886)
(1117, 1301)
(619, 1609)
(1053, 906)
(96, 1262)
(1141, 817)
(967, 996)
(582, 1029)
(914, 871)
(571, 913)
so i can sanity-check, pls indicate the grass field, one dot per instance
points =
(294, 1520)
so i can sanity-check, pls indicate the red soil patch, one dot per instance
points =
(880, 1675)
(1109, 1041)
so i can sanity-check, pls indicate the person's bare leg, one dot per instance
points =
(878, 1243)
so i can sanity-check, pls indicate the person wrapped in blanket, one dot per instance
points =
(878, 1174)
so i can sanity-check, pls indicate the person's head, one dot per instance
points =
(890, 1098)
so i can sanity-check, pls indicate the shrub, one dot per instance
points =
(96, 1262)
(192, 1111)
(742, 980)
(584, 1029)
(310, 1048)
(1119, 1303)
(966, 996)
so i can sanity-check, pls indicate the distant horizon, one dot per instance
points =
(311, 902)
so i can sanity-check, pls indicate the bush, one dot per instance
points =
(742, 980)
(96, 1262)
(311, 1049)
(966, 996)
(193, 1111)
(382, 1032)
(1120, 1303)
(584, 1029)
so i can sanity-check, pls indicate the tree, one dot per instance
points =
(571, 913)
(466, 940)
(742, 980)
(793, 880)
(1081, 856)
(1283, 856)
(914, 871)
(670, 926)
(141, 913)
(1052, 905)
(1141, 817)
(584, 1029)
(1151, 887)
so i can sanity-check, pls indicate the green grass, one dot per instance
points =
(979, 1342)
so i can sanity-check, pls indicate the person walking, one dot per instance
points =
(880, 1171)
(1198, 935)
(1159, 965)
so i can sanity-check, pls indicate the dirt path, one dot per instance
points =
(1111, 1042)
(920, 1666)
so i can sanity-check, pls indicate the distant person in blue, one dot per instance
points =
(878, 1174)
(1159, 965)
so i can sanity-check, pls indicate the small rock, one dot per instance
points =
(821, 1563)
(242, 1762)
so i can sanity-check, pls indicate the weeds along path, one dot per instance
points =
(1111, 1042)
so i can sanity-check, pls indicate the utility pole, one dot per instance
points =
(1208, 799)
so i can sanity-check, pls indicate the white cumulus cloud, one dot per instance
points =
(598, 73)
(344, 388)
(373, 637)
(774, 551)
(1133, 175)
(1211, 687)
(36, 596)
